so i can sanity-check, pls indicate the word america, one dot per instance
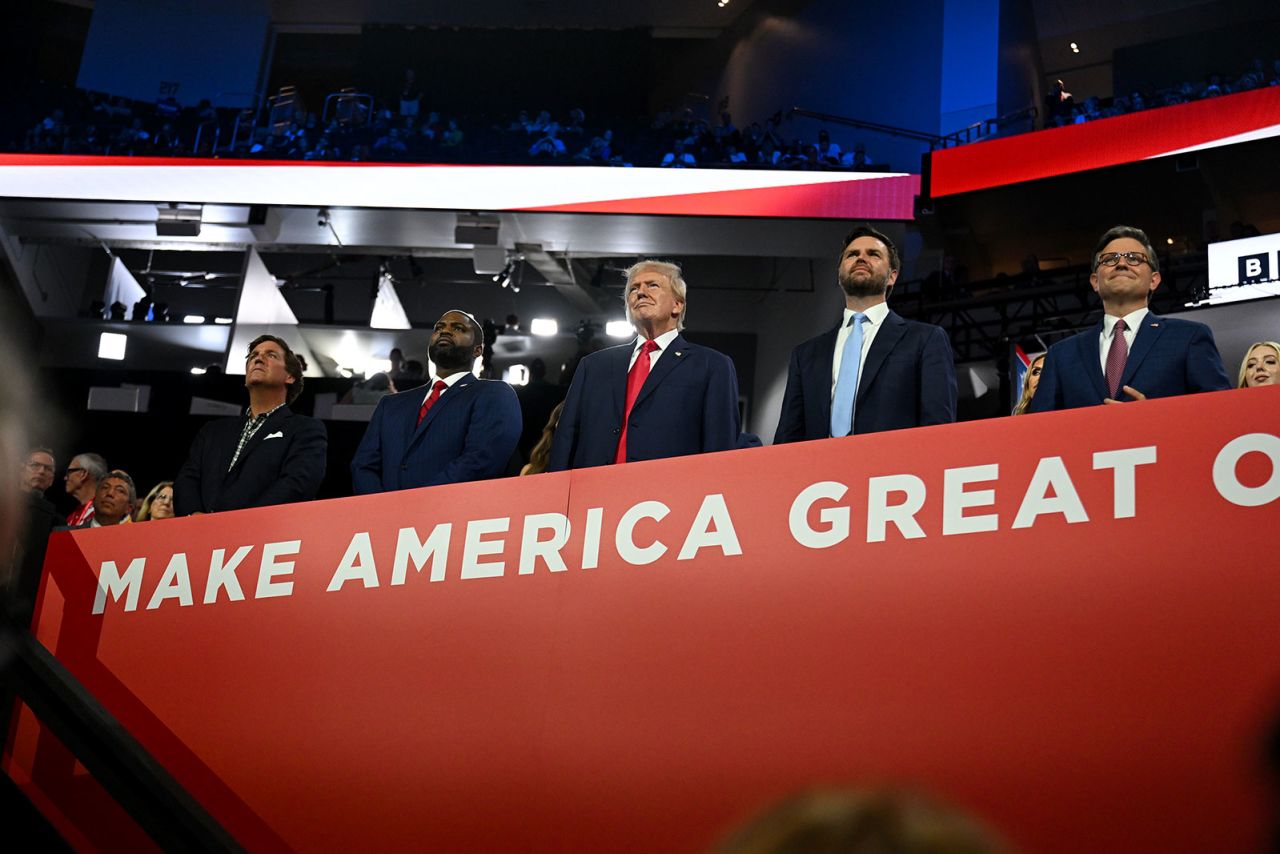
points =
(891, 500)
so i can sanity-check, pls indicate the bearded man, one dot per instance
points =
(459, 428)
(876, 370)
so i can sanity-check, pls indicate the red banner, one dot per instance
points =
(1064, 623)
(1106, 142)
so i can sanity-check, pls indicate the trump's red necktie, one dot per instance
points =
(436, 391)
(635, 381)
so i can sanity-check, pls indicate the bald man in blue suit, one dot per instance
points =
(468, 430)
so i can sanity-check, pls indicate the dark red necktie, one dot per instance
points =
(635, 381)
(1116, 357)
(436, 391)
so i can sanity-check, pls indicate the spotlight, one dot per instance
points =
(1075, 48)
(618, 329)
(193, 318)
(111, 345)
(544, 326)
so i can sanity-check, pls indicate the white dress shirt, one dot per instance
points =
(875, 319)
(448, 384)
(1132, 321)
(663, 341)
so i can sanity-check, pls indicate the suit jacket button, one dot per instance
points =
(617, 430)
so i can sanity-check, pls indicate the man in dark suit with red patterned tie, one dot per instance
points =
(659, 396)
(460, 428)
(1131, 354)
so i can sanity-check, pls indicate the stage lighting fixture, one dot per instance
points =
(544, 326)
(111, 345)
(618, 329)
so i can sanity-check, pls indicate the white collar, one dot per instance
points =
(663, 341)
(875, 315)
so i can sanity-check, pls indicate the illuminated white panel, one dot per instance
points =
(111, 345)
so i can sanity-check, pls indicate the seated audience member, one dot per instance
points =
(269, 455)
(677, 157)
(158, 504)
(861, 822)
(452, 137)
(37, 472)
(113, 502)
(1029, 383)
(81, 480)
(548, 144)
(828, 151)
(856, 159)
(539, 124)
(540, 456)
(733, 155)
(1261, 365)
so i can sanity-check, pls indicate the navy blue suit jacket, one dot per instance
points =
(1169, 357)
(284, 462)
(468, 434)
(687, 405)
(909, 380)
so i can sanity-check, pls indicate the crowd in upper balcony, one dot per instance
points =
(401, 126)
(1065, 108)
(356, 127)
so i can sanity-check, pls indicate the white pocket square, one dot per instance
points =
(279, 434)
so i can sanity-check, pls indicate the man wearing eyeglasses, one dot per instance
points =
(81, 482)
(1131, 354)
(37, 472)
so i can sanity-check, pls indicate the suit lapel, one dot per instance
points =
(1092, 362)
(447, 398)
(824, 355)
(616, 369)
(274, 422)
(672, 358)
(1151, 328)
(887, 337)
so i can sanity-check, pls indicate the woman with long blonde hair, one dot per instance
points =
(1029, 383)
(158, 504)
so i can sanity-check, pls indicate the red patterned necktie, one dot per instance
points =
(635, 381)
(436, 391)
(1116, 357)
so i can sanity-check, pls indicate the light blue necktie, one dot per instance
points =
(847, 380)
